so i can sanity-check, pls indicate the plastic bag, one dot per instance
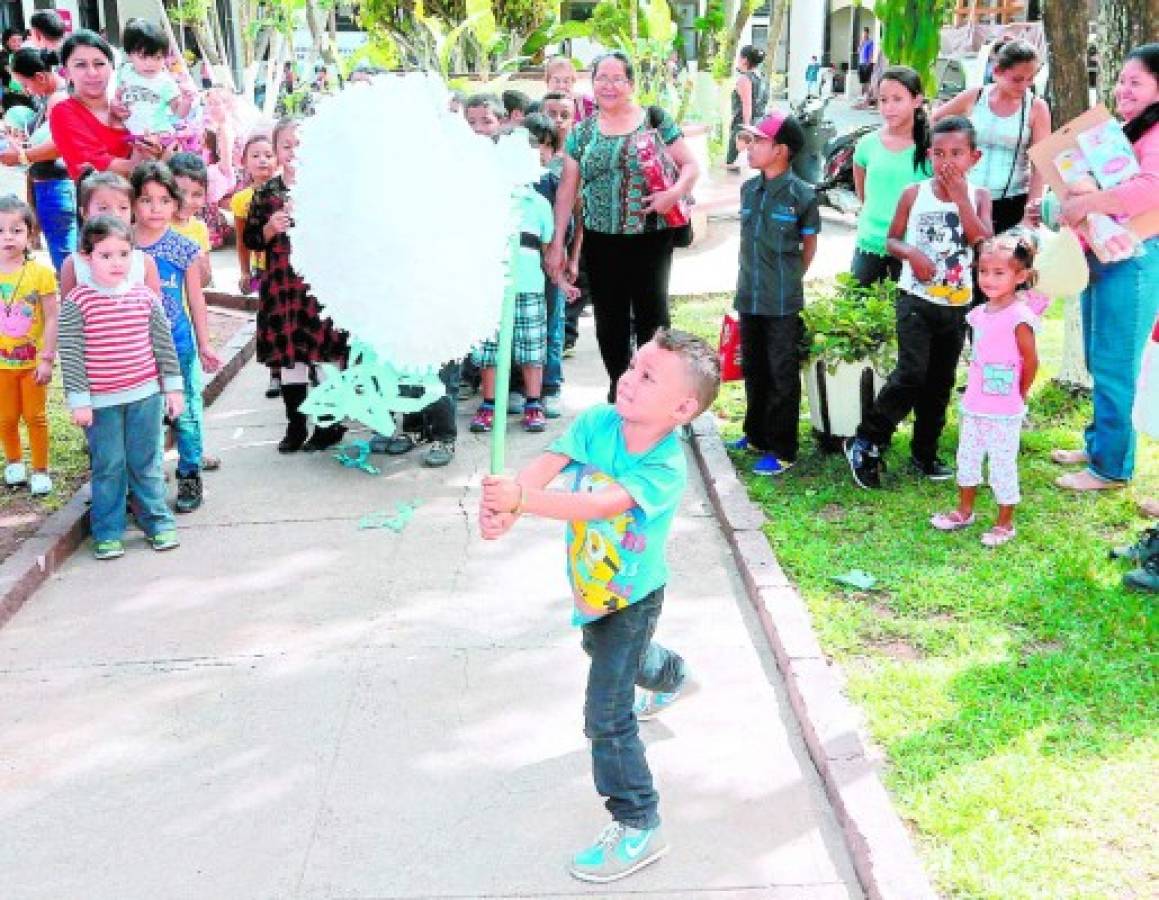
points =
(730, 346)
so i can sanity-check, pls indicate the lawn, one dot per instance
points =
(1012, 690)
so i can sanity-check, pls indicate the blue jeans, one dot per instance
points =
(623, 656)
(187, 427)
(56, 210)
(553, 367)
(1118, 312)
(127, 457)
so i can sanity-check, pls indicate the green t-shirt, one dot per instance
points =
(613, 186)
(887, 174)
(613, 563)
(535, 219)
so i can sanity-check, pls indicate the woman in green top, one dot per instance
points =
(885, 163)
(750, 96)
(627, 243)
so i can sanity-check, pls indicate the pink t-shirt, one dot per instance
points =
(993, 388)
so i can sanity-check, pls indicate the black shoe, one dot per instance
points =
(188, 492)
(1142, 549)
(1146, 577)
(297, 427)
(274, 390)
(294, 439)
(324, 438)
(864, 462)
(934, 470)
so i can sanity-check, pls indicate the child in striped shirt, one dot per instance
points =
(117, 356)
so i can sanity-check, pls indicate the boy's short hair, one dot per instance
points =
(542, 130)
(191, 166)
(956, 125)
(142, 36)
(49, 23)
(515, 101)
(701, 362)
(485, 101)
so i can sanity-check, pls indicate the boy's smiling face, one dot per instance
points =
(657, 389)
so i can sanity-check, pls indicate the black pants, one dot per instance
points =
(929, 342)
(771, 358)
(733, 150)
(572, 311)
(437, 421)
(628, 275)
(870, 268)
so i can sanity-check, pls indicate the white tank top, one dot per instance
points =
(84, 273)
(1004, 169)
(935, 228)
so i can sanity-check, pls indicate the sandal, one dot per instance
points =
(951, 521)
(1069, 457)
(210, 463)
(1087, 481)
(998, 535)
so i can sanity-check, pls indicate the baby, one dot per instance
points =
(150, 99)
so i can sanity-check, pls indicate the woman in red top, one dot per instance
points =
(83, 127)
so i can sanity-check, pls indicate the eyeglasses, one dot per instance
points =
(615, 82)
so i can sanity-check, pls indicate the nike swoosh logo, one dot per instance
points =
(633, 848)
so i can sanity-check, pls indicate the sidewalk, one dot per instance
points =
(289, 706)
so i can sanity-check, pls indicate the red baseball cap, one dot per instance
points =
(780, 128)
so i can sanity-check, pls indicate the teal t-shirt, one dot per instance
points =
(887, 174)
(612, 563)
(537, 218)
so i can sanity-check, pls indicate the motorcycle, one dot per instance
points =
(826, 161)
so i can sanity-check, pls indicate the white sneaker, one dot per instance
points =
(515, 403)
(15, 473)
(552, 406)
(40, 485)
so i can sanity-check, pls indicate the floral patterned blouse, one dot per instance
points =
(611, 182)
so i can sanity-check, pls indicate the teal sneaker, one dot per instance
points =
(164, 540)
(619, 851)
(108, 549)
(650, 704)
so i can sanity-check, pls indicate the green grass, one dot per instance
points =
(1013, 691)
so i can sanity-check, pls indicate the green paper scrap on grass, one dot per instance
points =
(396, 521)
(370, 390)
(862, 581)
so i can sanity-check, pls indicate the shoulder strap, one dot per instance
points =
(981, 94)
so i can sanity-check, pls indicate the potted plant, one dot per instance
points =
(851, 340)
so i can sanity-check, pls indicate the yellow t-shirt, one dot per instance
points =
(239, 205)
(22, 314)
(196, 230)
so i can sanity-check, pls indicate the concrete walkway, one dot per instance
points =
(291, 707)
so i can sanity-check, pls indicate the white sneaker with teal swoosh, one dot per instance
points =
(619, 851)
(650, 704)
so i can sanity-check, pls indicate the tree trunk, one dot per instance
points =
(1123, 26)
(744, 12)
(1066, 35)
(776, 23)
(319, 36)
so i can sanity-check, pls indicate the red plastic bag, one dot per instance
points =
(730, 361)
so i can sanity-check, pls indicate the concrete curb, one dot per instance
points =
(63, 531)
(883, 855)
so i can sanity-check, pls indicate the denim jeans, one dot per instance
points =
(126, 456)
(623, 656)
(187, 427)
(1118, 312)
(553, 367)
(56, 210)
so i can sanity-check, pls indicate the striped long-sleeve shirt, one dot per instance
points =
(115, 348)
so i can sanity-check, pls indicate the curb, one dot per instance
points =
(62, 532)
(883, 854)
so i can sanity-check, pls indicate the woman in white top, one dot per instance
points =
(1009, 120)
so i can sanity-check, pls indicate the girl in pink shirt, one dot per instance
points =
(1002, 369)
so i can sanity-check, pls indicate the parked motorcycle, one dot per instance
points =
(826, 161)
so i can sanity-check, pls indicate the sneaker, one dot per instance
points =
(164, 540)
(399, 444)
(534, 420)
(210, 463)
(324, 437)
(650, 704)
(552, 406)
(439, 454)
(1146, 577)
(1146, 546)
(934, 470)
(274, 389)
(483, 420)
(619, 851)
(741, 445)
(40, 484)
(568, 351)
(515, 403)
(998, 535)
(770, 464)
(466, 391)
(188, 492)
(15, 474)
(108, 549)
(864, 462)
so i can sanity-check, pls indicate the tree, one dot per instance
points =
(1123, 25)
(741, 15)
(912, 34)
(1066, 35)
(777, 10)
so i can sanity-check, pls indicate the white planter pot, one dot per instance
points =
(839, 401)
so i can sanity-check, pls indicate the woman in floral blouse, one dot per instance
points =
(627, 242)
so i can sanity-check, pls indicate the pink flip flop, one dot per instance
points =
(998, 535)
(951, 521)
